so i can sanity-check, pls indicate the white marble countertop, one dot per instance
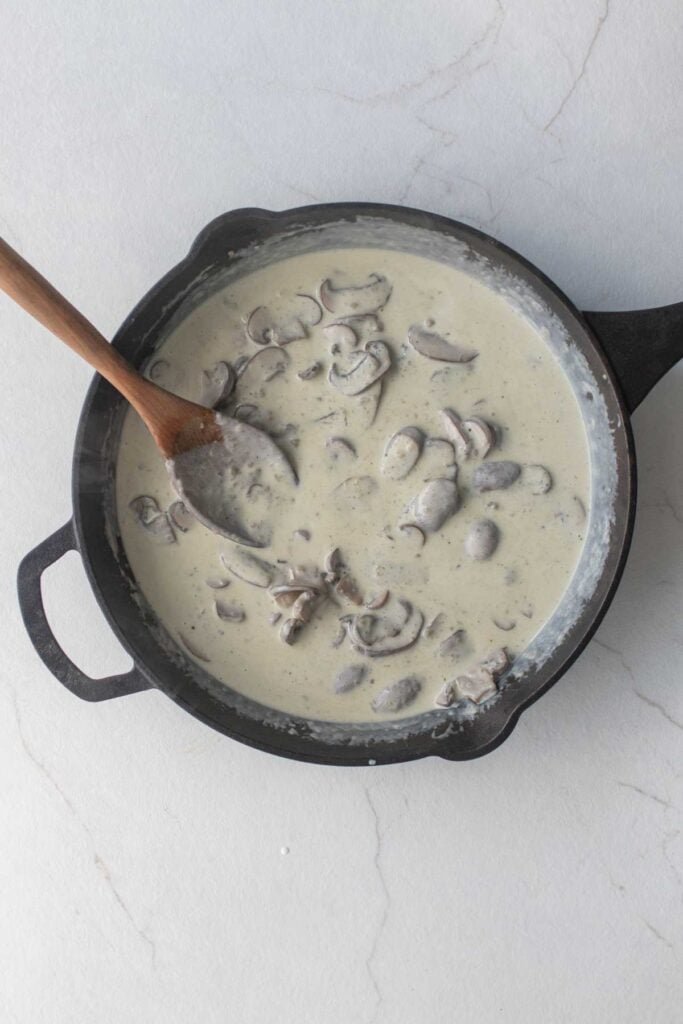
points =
(153, 871)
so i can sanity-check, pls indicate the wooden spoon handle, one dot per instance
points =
(37, 296)
(165, 414)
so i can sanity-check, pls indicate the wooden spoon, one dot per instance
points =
(211, 458)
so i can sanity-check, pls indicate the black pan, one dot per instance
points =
(611, 360)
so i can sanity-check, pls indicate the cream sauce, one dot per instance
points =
(514, 384)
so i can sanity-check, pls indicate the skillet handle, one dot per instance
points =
(29, 575)
(641, 345)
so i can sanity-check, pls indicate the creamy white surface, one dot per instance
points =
(515, 383)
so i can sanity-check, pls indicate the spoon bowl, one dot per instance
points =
(213, 460)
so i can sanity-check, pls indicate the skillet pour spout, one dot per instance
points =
(612, 360)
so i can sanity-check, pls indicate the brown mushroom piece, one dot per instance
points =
(372, 363)
(537, 479)
(217, 385)
(397, 696)
(435, 346)
(340, 450)
(229, 612)
(248, 568)
(342, 338)
(155, 522)
(453, 645)
(348, 678)
(260, 369)
(482, 435)
(180, 516)
(456, 433)
(401, 453)
(434, 505)
(438, 460)
(495, 476)
(355, 300)
(380, 648)
(481, 540)
(377, 601)
(284, 320)
(310, 371)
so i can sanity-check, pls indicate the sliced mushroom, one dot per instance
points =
(157, 523)
(247, 412)
(405, 638)
(373, 363)
(192, 648)
(333, 565)
(362, 323)
(377, 601)
(397, 696)
(342, 338)
(248, 568)
(159, 370)
(274, 618)
(482, 539)
(180, 516)
(229, 612)
(353, 494)
(340, 450)
(456, 433)
(453, 645)
(263, 367)
(347, 587)
(436, 502)
(285, 320)
(497, 662)
(413, 534)
(504, 623)
(348, 678)
(438, 460)
(477, 685)
(434, 346)
(401, 453)
(304, 535)
(537, 479)
(495, 476)
(311, 371)
(356, 299)
(217, 582)
(304, 606)
(289, 630)
(434, 625)
(217, 385)
(483, 436)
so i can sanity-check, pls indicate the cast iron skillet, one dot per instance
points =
(620, 356)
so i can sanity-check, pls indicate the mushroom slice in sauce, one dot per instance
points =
(248, 568)
(340, 450)
(218, 384)
(157, 523)
(413, 534)
(453, 645)
(310, 371)
(405, 638)
(438, 460)
(377, 601)
(180, 516)
(285, 320)
(263, 367)
(342, 337)
(537, 479)
(158, 370)
(434, 346)
(481, 540)
(348, 678)
(495, 476)
(229, 612)
(362, 323)
(483, 436)
(434, 625)
(434, 505)
(398, 695)
(356, 299)
(456, 433)
(372, 364)
(354, 493)
(347, 587)
(401, 453)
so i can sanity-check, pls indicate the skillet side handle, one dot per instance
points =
(641, 345)
(29, 576)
